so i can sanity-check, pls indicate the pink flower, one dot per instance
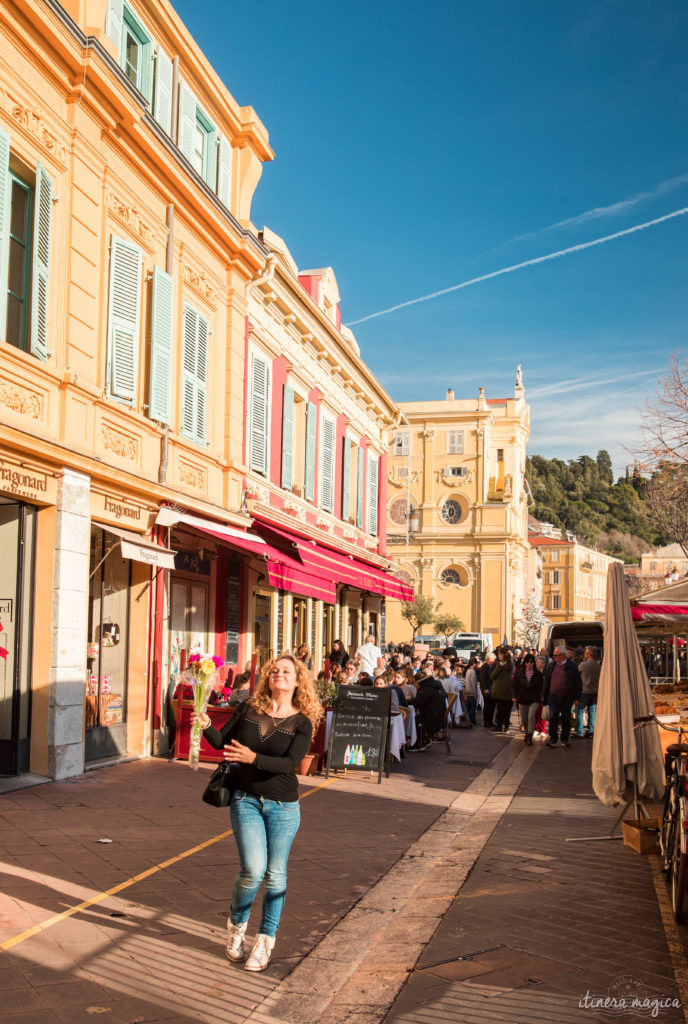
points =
(218, 661)
(193, 658)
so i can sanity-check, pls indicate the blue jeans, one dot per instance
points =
(559, 713)
(264, 831)
(589, 701)
(471, 707)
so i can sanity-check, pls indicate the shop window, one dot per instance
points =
(25, 227)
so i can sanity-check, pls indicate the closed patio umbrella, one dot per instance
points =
(626, 760)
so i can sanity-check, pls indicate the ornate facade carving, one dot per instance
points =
(192, 476)
(122, 445)
(21, 400)
(428, 433)
(130, 215)
(32, 120)
(426, 564)
(454, 481)
(197, 280)
(414, 478)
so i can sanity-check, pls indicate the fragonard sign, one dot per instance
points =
(26, 482)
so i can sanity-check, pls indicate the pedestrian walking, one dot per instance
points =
(472, 690)
(266, 738)
(501, 690)
(485, 678)
(528, 684)
(589, 670)
(562, 686)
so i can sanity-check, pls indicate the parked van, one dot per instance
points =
(575, 634)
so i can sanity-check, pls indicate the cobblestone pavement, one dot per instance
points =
(459, 856)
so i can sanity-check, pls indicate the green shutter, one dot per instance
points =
(124, 318)
(258, 436)
(288, 437)
(224, 170)
(346, 472)
(5, 211)
(327, 435)
(187, 121)
(372, 494)
(161, 346)
(210, 168)
(41, 263)
(114, 21)
(164, 77)
(359, 490)
(202, 379)
(187, 425)
(311, 422)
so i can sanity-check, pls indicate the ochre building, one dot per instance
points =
(574, 576)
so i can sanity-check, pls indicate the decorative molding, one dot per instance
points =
(121, 444)
(323, 523)
(454, 481)
(32, 120)
(193, 476)
(129, 214)
(349, 534)
(197, 280)
(426, 564)
(21, 400)
(428, 433)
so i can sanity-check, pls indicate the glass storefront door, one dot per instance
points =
(105, 708)
(17, 546)
(299, 622)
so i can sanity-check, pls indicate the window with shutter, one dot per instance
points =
(136, 52)
(114, 20)
(327, 441)
(197, 136)
(259, 415)
(373, 464)
(164, 81)
(161, 346)
(359, 490)
(5, 217)
(288, 437)
(455, 442)
(194, 375)
(346, 471)
(309, 469)
(124, 319)
(224, 170)
(402, 443)
(41, 264)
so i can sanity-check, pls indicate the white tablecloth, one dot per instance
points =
(411, 734)
(397, 736)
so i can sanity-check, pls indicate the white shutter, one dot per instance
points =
(189, 360)
(224, 170)
(346, 472)
(455, 442)
(41, 263)
(164, 78)
(5, 211)
(258, 434)
(187, 121)
(114, 22)
(161, 346)
(309, 469)
(287, 477)
(210, 162)
(124, 318)
(202, 379)
(373, 464)
(327, 443)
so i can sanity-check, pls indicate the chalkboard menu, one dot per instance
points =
(232, 615)
(360, 726)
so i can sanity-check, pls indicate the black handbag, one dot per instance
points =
(218, 792)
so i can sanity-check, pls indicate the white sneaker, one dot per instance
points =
(235, 941)
(261, 953)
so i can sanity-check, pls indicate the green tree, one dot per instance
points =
(417, 612)
(447, 624)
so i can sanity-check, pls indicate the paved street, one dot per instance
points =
(446, 894)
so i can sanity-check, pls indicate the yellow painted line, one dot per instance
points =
(672, 935)
(99, 897)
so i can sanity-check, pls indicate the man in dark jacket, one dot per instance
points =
(485, 680)
(563, 685)
(430, 704)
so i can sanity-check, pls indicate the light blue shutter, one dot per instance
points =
(288, 437)
(311, 422)
(41, 263)
(189, 360)
(164, 77)
(210, 163)
(202, 379)
(124, 318)
(359, 490)
(5, 211)
(260, 392)
(372, 494)
(224, 170)
(114, 22)
(187, 121)
(346, 472)
(327, 435)
(161, 346)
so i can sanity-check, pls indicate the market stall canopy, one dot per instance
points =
(140, 550)
(286, 571)
(666, 614)
(337, 565)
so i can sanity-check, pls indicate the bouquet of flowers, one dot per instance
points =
(202, 674)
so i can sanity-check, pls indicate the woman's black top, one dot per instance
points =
(280, 743)
(339, 657)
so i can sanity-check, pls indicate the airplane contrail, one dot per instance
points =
(526, 263)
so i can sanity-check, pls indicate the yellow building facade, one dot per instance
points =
(574, 577)
(457, 510)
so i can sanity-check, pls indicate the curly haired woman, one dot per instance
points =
(266, 738)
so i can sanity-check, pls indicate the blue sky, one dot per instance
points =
(422, 145)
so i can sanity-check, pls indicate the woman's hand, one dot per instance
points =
(237, 753)
(203, 719)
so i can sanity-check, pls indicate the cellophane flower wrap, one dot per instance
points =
(203, 675)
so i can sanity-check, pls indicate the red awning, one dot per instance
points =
(286, 571)
(666, 613)
(336, 566)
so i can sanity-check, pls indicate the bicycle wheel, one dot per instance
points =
(665, 834)
(679, 864)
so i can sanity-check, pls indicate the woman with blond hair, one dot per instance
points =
(266, 738)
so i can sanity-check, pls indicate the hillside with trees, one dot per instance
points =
(580, 495)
